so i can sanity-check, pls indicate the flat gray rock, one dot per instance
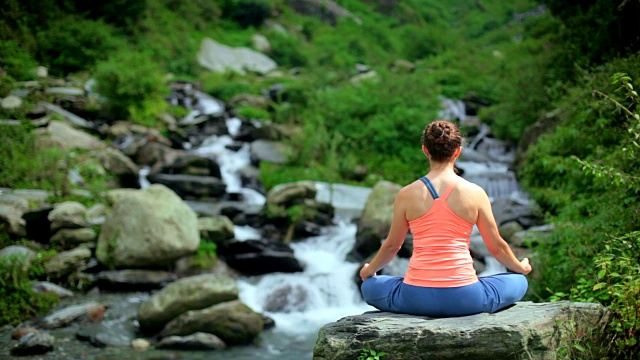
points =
(525, 331)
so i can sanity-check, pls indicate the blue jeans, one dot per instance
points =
(489, 294)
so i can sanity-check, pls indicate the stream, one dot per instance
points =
(324, 292)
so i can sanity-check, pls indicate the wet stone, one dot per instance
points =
(197, 341)
(112, 333)
(34, 344)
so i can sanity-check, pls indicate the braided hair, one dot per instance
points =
(441, 138)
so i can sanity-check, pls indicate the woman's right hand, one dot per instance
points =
(526, 266)
(365, 272)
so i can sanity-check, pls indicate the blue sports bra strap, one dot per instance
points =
(430, 187)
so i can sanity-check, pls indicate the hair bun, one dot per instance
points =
(442, 138)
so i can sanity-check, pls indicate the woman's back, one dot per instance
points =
(462, 201)
(441, 256)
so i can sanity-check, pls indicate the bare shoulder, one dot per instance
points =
(411, 190)
(471, 190)
(469, 186)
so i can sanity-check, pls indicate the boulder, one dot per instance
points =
(17, 256)
(156, 155)
(257, 257)
(197, 341)
(11, 102)
(34, 344)
(113, 333)
(76, 120)
(375, 222)
(14, 202)
(524, 331)
(233, 322)
(191, 293)
(22, 331)
(65, 316)
(67, 262)
(190, 186)
(47, 287)
(64, 91)
(134, 279)
(147, 228)
(261, 43)
(140, 344)
(507, 210)
(118, 164)
(65, 136)
(291, 193)
(11, 218)
(73, 237)
(220, 58)
(218, 229)
(509, 228)
(68, 215)
(531, 236)
(287, 298)
(269, 151)
(194, 165)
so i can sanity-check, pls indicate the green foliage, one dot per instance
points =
(74, 44)
(617, 282)
(370, 124)
(370, 354)
(199, 13)
(247, 12)
(16, 62)
(23, 165)
(122, 13)
(226, 85)
(590, 163)
(287, 50)
(133, 86)
(249, 112)
(617, 286)
(206, 256)
(18, 302)
(613, 30)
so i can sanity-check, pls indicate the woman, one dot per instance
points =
(440, 209)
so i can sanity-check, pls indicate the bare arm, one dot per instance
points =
(393, 242)
(495, 243)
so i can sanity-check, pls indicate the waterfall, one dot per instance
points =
(300, 303)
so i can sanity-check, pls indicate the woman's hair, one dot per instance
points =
(442, 138)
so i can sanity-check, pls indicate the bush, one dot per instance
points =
(133, 86)
(590, 161)
(16, 62)
(226, 85)
(617, 286)
(22, 165)
(248, 12)
(18, 301)
(287, 50)
(206, 256)
(74, 44)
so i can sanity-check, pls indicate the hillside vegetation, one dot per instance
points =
(570, 66)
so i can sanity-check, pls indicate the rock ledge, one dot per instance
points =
(524, 331)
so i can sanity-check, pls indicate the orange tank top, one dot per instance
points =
(441, 256)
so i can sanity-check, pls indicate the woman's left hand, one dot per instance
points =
(365, 272)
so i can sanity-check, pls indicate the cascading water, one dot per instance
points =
(300, 303)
